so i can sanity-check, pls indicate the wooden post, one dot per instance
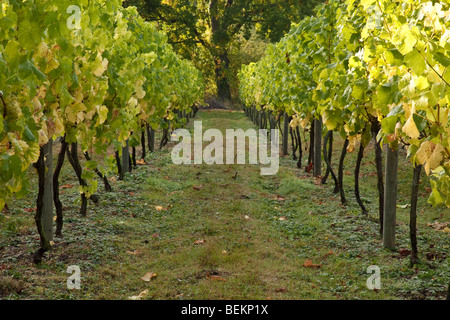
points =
(126, 158)
(390, 198)
(317, 147)
(285, 134)
(47, 209)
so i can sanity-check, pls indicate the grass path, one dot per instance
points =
(224, 232)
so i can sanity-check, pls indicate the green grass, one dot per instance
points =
(248, 252)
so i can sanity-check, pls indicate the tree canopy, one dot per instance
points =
(200, 29)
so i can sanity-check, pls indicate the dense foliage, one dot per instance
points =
(362, 67)
(92, 72)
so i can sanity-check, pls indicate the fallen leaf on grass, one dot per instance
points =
(149, 276)
(29, 209)
(275, 197)
(202, 241)
(329, 253)
(215, 278)
(308, 264)
(439, 226)
(141, 162)
(197, 187)
(134, 253)
(404, 252)
(141, 295)
(66, 186)
(161, 208)
(282, 218)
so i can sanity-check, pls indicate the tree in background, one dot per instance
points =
(206, 31)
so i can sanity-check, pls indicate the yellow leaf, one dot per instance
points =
(102, 114)
(51, 65)
(149, 276)
(410, 128)
(141, 295)
(435, 159)
(100, 65)
(43, 139)
(140, 93)
(424, 152)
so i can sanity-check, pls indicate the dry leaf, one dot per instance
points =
(439, 226)
(329, 253)
(66, 186)
(161, 208)
(202, 241)
(216, 278)
(282, 218)
(141, 295)
(404, 252)
(141, 162)
(149, 276)
(247, 217)
(308, 264)
(134, 253)
(197, 187)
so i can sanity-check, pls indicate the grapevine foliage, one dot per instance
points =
(365, 66)
(91, 71)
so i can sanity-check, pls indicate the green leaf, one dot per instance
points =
(367, 3)
(28, 135)
(388, 124)
(12, 52)
(27, 68)
(406, 39)
(383, 95)
(442, 59)
(421, 122)
(447, 75)
(29, 34)
(416, 62)
(422, 83)
(91, 164)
